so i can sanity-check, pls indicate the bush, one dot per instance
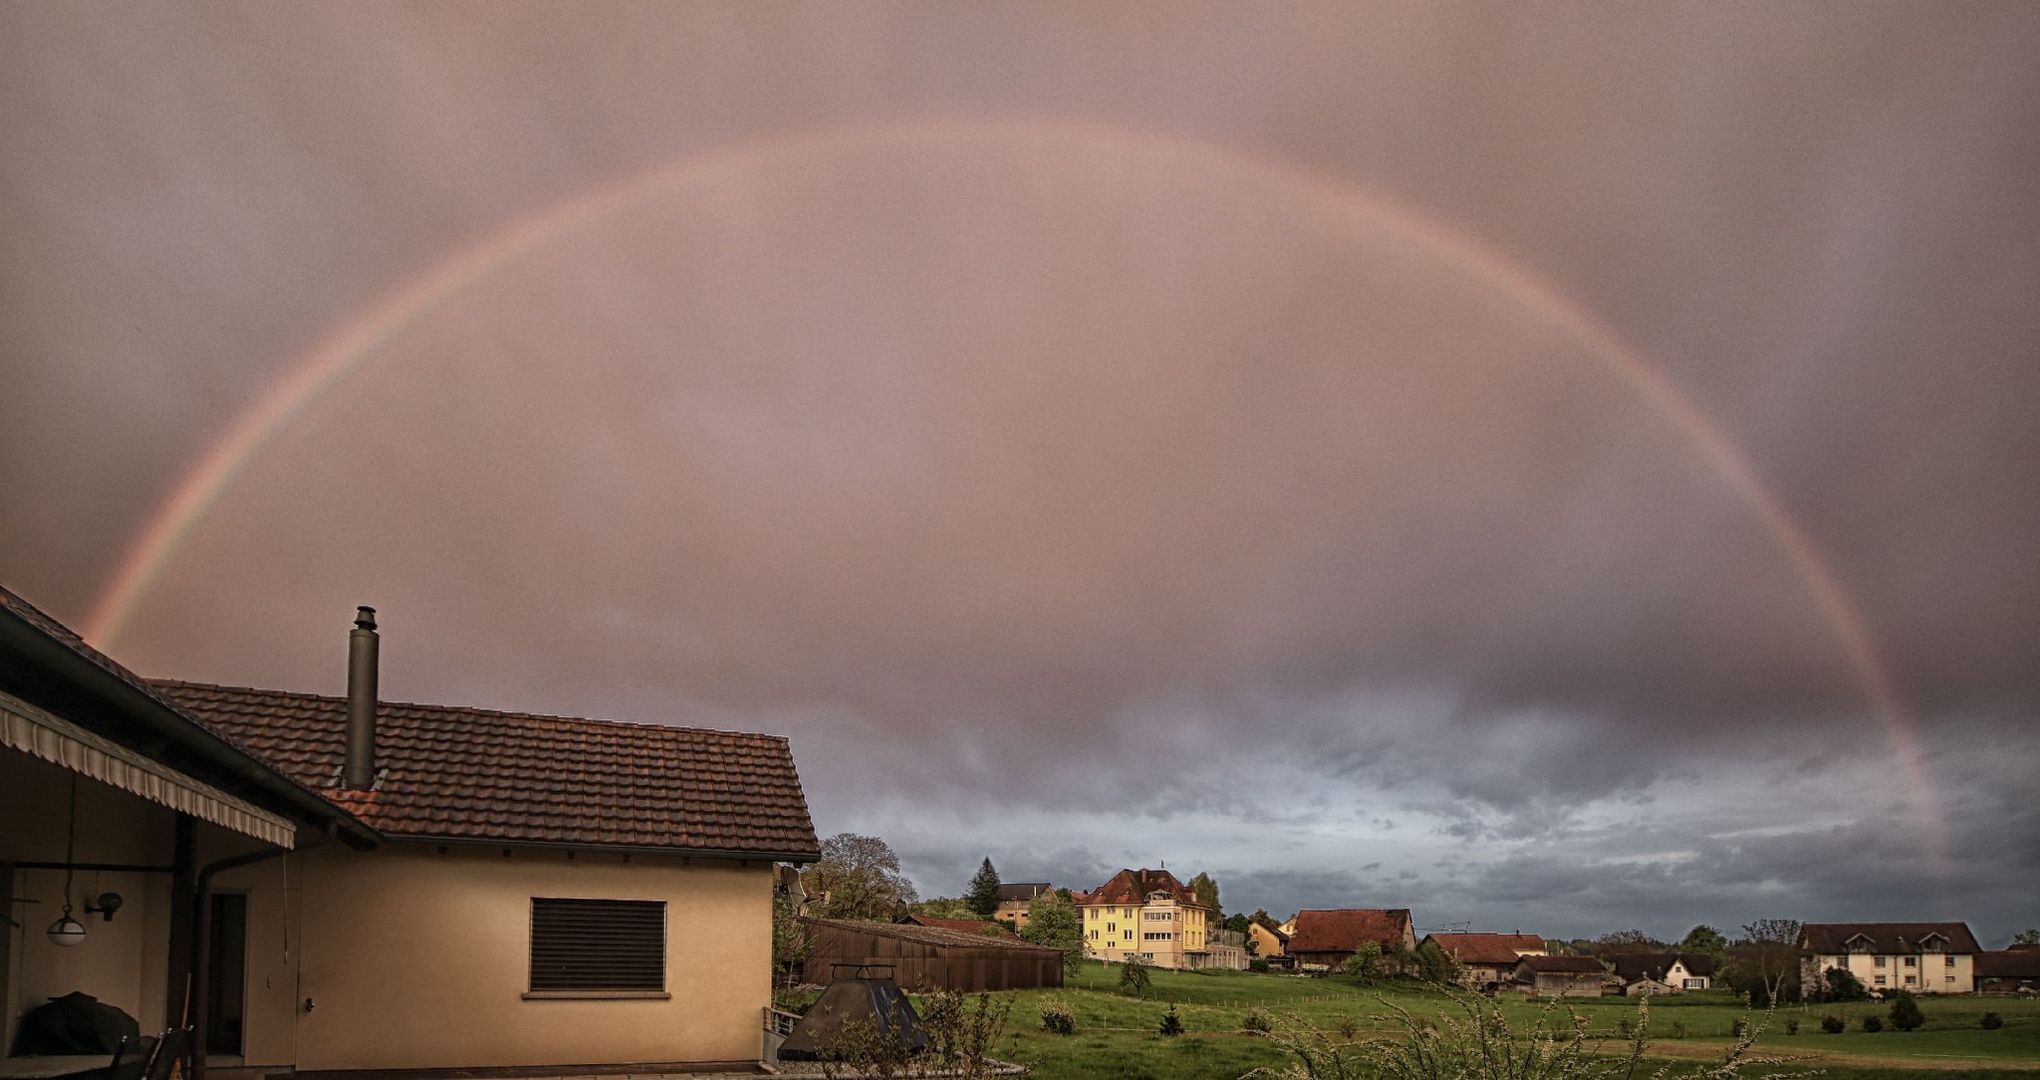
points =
(1058, 1017)
(1171, 1023)
(1255, 1021)
(1739, 1027)
(1905, 1013)
(1791, 1025)
(1678, 1029)
(1872, 1024)
(1349, 1028)
(1842, 985)
(1992, 1021)
(1833, 1025)
(1258, 964)
(1626, 1026)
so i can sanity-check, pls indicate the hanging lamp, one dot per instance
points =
(67, 931)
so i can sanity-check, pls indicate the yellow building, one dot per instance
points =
(1924, 958)
(1016, 899)
(1147, 913)
(1268, 943)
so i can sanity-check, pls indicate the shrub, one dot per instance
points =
(1678, 1029)
(1058, 1017)
(1905, 1013)
(1626, 1026)
(1843, 985)
(1133, 977)
(1349, 1028)
(1872, 1024)
(1171, 1023)
(1739, 1027)
(1833, 1025)
(1258, 964)
(1992, 1021)
(1791, 1025)
(1255, 1021)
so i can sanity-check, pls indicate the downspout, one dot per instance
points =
(201, 937)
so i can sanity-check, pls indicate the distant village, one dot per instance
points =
(1151, 917)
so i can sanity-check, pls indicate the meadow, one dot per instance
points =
(1116, 1035)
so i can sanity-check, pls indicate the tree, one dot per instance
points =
(790, 944)
(1237, 923)
(1207, 894)
(1707, 940)
(1365, 963)
(1905, 1012)
(2026, 937)
(858, 877)
(943, 907)
(1052, 920)
(983, 894)
(1434, 965)
(1626, 943)
(1133, 976)
(1764, 962)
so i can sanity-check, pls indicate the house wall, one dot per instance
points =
(1266, 944)
(1112, 931)
(419, 957)
(1937, 973)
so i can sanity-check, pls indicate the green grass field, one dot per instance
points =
(1116, 1035)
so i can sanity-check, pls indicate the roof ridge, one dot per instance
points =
(472, 710)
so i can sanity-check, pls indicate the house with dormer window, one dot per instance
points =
(1923, 958)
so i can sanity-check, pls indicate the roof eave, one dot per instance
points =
(724, 854)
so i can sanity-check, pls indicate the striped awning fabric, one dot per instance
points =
(39, 734)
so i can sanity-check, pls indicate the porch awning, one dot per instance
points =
(39, 734)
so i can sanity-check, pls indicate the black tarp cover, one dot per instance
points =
(74, 1024)
(878, 1002)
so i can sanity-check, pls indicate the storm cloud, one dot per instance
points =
(1065, 425)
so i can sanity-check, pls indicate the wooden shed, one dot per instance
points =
(930, 957)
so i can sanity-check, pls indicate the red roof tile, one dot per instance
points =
(1343, 929)
(1130, 887)
(478, 775)
(1886, 937)
(1487, 948)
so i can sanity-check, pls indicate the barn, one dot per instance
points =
(928, 957)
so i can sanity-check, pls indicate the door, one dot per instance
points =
(227, 972)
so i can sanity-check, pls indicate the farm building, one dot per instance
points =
(1561, 976)
(929, 957)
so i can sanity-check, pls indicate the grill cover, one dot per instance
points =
(74, 1024)
(874, 1001)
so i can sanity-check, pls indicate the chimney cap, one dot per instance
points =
(364, 617)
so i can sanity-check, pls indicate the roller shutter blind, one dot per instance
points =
(598, 944)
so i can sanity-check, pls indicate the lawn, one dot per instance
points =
(1117, 1037)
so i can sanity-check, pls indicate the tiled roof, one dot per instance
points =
(926, 935)
(1023, 890)
(1344, 929)
(1564, 965)
(1487, 948)
(1129, 887)
(2009, 964)
(1653, 966)
(1889, 938)
(478, 775)
(979, 927)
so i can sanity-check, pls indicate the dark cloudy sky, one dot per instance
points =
(1099, 434)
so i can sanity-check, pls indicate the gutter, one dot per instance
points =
(174, 726)
(619, 849)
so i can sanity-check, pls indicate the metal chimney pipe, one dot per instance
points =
(362, 648)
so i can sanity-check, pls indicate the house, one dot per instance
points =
(1561, 976)
(1327, 937)
(1486, 959)
(980, 927)
(1015, 899)
(1661, 973)
(351, 885)
(1270, 943)
(1147, 913)
(2009, 971)
(1925, 958)
(922, 958)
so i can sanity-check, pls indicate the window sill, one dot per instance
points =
(597, 995)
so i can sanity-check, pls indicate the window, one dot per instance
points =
(598, 945)
(1696, 984)
(1880, 980)
(1912, 980)
(1128, 933)
(1094, 935)
(1950, 978)
(1110, 927)
(1879, 961)
(1163, 936)
(1947, 961)
(1912, 961)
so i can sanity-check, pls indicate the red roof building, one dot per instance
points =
(1329, 936)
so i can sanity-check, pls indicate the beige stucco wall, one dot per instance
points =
(1936, 975)
(418, 959)
(1266, 943)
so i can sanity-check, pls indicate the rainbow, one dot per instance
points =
(194, 494)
